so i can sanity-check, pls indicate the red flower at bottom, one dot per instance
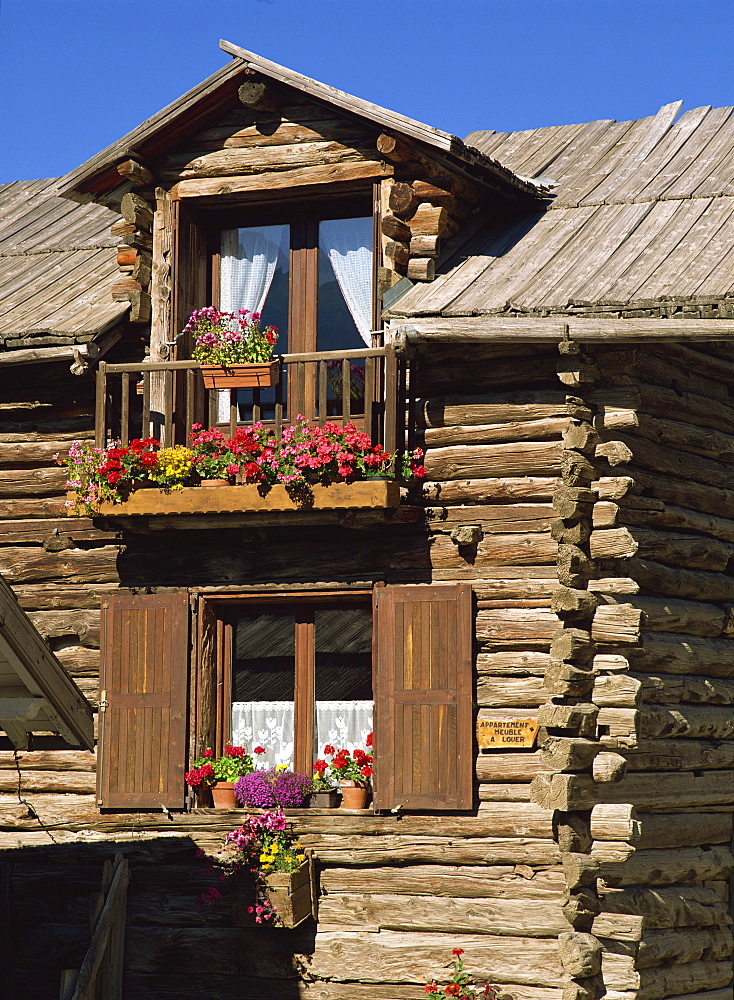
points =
(457, 951)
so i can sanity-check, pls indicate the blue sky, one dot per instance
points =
(77, 74)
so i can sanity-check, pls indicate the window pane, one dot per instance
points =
(345, 284)
(263, 678)
(343, 677)
(255, 262)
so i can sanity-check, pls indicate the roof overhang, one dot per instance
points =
(549, 329)
(36, 693)
(99, 180)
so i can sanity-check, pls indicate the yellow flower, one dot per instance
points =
(300, 858)
(264, 857)
(274, 848)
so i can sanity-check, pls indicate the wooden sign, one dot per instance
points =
(503, 734)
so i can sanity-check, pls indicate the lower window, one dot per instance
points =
(292, 676)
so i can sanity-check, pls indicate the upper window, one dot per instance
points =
(310, 277)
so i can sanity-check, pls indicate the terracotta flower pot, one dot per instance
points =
(223, 795)
(249, 376)
(214, 482)
(353, 796)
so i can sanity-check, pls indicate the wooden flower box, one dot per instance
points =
(293, 896)
(239, 499)
(244, 376)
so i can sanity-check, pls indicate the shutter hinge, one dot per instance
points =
(103, 703)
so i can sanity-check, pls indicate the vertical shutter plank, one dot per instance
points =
(423, 697)
(143, 734)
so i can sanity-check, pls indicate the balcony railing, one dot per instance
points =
(368, 387)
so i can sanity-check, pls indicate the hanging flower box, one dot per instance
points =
(248, 498)
(291, 896)
(244, 376)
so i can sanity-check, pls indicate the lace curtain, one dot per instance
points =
(348, 245)
(270, 724)
(249, 258)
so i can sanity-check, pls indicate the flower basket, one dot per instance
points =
(245, 376)
(291, 895)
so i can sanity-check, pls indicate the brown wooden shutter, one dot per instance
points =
(143, 717)
(423, 735)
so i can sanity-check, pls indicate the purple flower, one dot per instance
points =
(272, 788)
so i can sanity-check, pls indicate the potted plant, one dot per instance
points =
(462, 986)
(352, 771)
(324, 794)
(271, 788)
(264, 855)
(221, 773)
(232, 349)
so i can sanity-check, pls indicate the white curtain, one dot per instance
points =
(270, 724)
(348, 245)
(248, 261)
(249, 258)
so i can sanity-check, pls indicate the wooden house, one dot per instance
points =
(552, 319)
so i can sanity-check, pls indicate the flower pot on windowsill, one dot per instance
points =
(326, 799)
(354, 796)
(214, 482)
(223, 795)
(256, 375)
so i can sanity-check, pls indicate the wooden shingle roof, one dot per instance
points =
(57, 263)
(642, 216)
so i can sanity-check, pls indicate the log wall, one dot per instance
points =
(399, 892)
(648, 782)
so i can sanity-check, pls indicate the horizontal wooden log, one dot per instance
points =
(206, 187)
(436, 914)
(692, 551)
(666, 581)
(673, 790)
(24, 565)
(617, 691)
(73, 781)
(491, 793)
(527, 663)
(516, 627)
(668, 867)
(494, 550)
(678, 755)
(495, 518)
(466, 882)
(671, 615)
(392, 955)
(421, 268)
(24, 483)
(136, 173)
(40, 597)
(668, 689)
(682, 906)
(435, 850)
(79, 661)
(510, 767)
(671, 653)
(36, 531)
(515, 408)
(566, 792)
(506, 431)
(483, 491)
(654, 984)
(500, 460)
(688, 721)
(194, 985)
(40, 760)
(512, 692)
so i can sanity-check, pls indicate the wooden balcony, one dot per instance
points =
(368, 388)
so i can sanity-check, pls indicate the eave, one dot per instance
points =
(546, 329)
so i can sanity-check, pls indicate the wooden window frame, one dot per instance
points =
(303, 216)
(211, 719)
